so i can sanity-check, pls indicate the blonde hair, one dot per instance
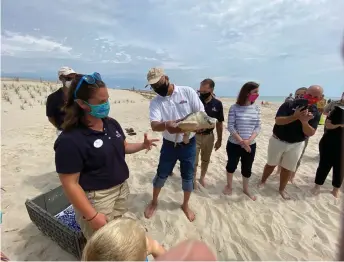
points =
(122, 239)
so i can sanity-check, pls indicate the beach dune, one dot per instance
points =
(235, 227)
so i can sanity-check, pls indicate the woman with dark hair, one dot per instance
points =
(90, 155)
(244, 126)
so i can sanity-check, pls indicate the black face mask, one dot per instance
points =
(162, 90)
(204, 96)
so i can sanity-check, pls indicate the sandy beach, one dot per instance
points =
(235, 227)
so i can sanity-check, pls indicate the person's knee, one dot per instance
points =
(159, 182)
(246, 173)
(270, 165)
(231, 167)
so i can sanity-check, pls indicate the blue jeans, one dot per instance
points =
(169, 154)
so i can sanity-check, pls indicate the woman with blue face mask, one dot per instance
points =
(90, 155)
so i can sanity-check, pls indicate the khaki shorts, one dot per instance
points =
(284, 154)
(111, 202)
(205, 146)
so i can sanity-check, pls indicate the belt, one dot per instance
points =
(204, 133)
(280, 139)
(178, 144)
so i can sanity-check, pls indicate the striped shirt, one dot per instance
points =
(243, 120)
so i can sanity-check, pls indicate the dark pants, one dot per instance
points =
(169, 154)
(330, 157)
(235, 153)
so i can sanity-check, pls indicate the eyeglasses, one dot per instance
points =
(89, 79)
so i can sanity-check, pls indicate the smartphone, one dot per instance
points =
(301, 103)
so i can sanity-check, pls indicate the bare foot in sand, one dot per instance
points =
(284, 195)
(189, 213)
(335, 192)
(261, 184)
(150, 210)
(227, 190)
(202, 182)
(249, 195)
(315, 190)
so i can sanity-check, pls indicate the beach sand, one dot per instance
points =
(235, 227)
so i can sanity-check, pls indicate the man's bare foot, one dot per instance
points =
(284, 195)
(189, 213)
(150, 210)
(227, 190)
(335, 192)
(202, 182)
(249, 195)
(315, 190)
(261, 184)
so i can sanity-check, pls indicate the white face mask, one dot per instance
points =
(68, 84)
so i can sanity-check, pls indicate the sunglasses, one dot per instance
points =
(89, 79)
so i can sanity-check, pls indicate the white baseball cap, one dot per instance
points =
(65, 71)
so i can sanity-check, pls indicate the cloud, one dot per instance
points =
(275, 41)
(16, 44)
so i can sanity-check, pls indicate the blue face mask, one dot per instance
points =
(99, 111)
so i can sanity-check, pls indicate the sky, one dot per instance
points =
(281, 44)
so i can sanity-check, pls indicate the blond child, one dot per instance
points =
(122, 239)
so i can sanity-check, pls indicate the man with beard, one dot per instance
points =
(205, 138)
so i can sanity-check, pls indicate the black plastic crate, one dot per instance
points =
(42, 210)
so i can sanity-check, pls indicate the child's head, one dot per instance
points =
(122, 239)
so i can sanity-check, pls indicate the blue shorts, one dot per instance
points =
(169, 154)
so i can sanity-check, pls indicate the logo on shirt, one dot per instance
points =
(98, 143)
(118, 135)
(183, 102)
(214, 109)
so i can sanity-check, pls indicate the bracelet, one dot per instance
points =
(88, 220)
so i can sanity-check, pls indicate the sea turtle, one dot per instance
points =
(193, 122)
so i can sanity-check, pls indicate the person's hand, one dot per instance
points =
(98, 221)
(188, 250)
(298, 112)
(217, 144)
(247, 148)
(245, 144)
(172, 128)
(154, 248)
(305, 118)
(148, 143)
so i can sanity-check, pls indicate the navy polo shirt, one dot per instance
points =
(213, 109)
(99, 157)
(292, 132)
(54, 107)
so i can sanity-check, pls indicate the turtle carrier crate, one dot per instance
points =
(44, 211)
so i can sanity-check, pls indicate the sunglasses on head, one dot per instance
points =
(89, 79)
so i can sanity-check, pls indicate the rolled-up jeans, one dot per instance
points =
(169, 154)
